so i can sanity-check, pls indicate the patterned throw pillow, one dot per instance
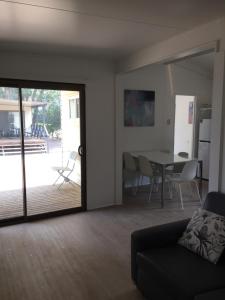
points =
(205, 235)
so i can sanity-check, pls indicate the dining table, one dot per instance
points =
(163, 160)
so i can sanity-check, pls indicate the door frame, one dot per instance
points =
(48, 85)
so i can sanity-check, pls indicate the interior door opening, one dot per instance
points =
(184, 125)
(42, 165)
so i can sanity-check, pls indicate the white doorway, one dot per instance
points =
(184, 124)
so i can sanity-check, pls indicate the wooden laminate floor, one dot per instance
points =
(84, 256)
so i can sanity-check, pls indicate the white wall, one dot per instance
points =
(70, 125)
(217, 146)
(153, 78)
(187, 81)
(99, 79)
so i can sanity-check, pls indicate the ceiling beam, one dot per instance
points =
(210, 36)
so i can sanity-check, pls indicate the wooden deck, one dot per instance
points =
(42, 199)
(10, 146)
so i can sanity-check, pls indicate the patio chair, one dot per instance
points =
(65, 172)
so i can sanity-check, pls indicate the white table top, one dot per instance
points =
(161, 158)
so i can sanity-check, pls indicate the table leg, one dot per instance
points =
(163, 186)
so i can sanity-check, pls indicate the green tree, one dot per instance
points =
(48, 114)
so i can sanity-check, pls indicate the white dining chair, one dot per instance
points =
(187, 175)
(178, 168)
(146, 170)
(130, 171)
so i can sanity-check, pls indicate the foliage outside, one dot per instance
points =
(48, 115)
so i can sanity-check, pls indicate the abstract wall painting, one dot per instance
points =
(139, 108)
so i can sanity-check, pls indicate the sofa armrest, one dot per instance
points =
(153, 237)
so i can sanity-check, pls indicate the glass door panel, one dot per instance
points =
(51, 142)
(11, 176)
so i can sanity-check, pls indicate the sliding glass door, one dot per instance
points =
(43, 165)
(11, 176)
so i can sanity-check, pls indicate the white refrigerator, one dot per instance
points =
(204, 146)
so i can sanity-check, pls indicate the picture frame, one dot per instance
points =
(139, 108)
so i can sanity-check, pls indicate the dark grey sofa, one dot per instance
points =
(161, 269)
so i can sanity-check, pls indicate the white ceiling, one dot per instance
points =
(202, 64)
(109, 28)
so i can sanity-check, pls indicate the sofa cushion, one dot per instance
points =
(215, 202)
(180, 272)
(205, 235)
(212, 295)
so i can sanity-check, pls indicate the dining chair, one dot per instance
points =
(146, 170)
(151, 171)
(187, 175)
(178, 168)
(130, 170)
